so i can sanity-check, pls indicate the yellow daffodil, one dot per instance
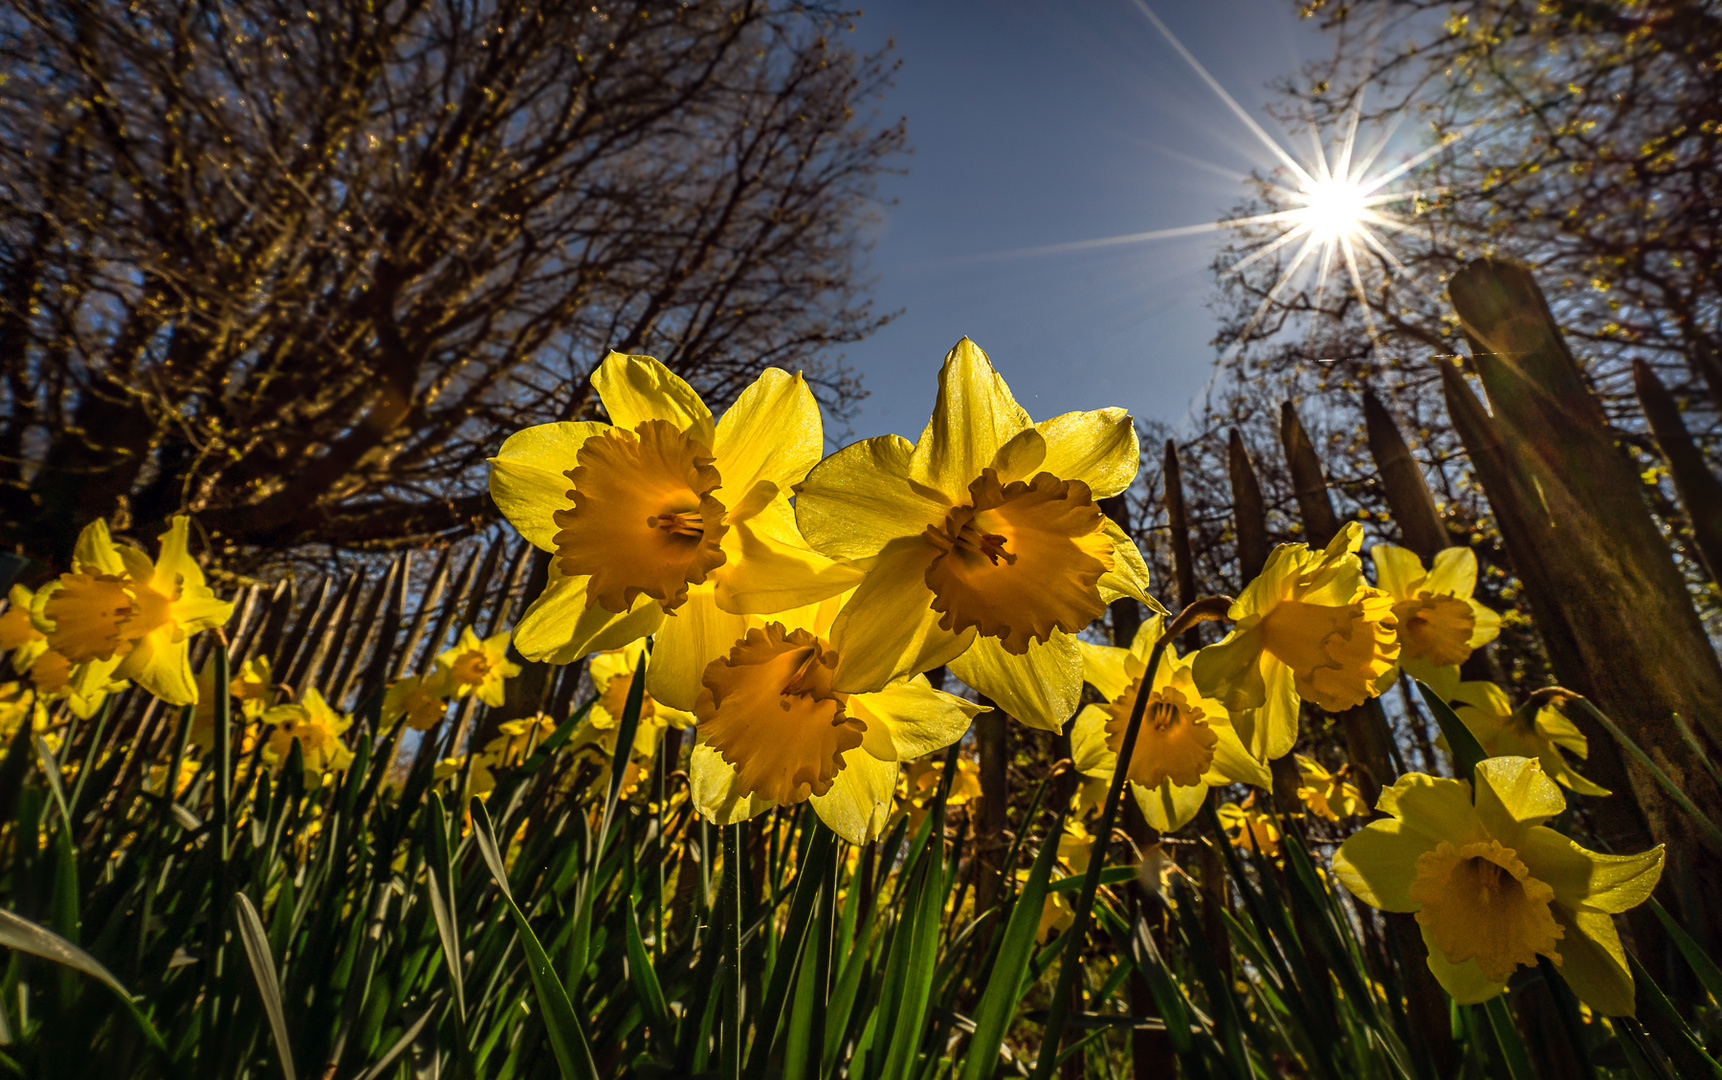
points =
(253, 691)
(1185, 744)
(612, 674)
(477, 667)
(1327, 794)
(1056, 913)
(778, 726)
(20, 704)
(120, 616)
(422, 699)
(918, 785)
(984, 546)
(1439, 623)
(53, 675)
(156, 781)
(665, 513)
(1253, 828)
(480, 781)
(517, 738)
(1538, 729)
(1308, 627)
(1494, 888)
(317, 726)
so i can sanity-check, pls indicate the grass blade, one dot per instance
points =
(256, 941)
(25, 936)
(567, 1037)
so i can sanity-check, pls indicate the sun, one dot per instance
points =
(1334, 209)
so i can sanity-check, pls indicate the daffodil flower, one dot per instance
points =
(317, 726)
(53, 675)
(19, 704)
(1493, 887)
(1327, 794)
(1185, 743)
(665, 521)
(120, 616)
(1536, 730)
(778, 726)
(477, 667)
(612, 675)
(1308, 627)
(984, 546)
(517, 738)
(480, 782)
(918, 785)
(1439, 623)
(1252, 828)
(422, 699)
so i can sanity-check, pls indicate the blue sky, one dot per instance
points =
(1043, 123)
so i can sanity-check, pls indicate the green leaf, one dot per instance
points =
(1696, 957)
(25, 936)
(256, 941)
(1467, 751)
(567, 1037)
(1004, 982)
(440, 884)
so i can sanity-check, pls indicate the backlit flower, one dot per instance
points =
(984, 545)
(517, 738)
(612, 675)
(1327, 794)
(477, 667)
(1185, 743)
(665, 512)
(778, 726)
(480, 780)
(55, 677)
(1311, 620)
(19, 704)
(317, 726)
(1494, 888)
(120, 616)
(422, 699)
(1534, 730)
(1439, 623)
(918, 785)
(1251, 827)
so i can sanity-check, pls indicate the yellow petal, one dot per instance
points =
(712, 784)
(772, 432)
(1593, 962)
(559, 628)
(1513, 793)
(1398, 572)
(1103, 667)
(1169, 806)
(1586, 880)
(1088, 749)
(1233, 763)
(859, 802)
(1129, 573)
(973, 417)
(889, 628)
(1099, 448)
(1434, 806)
(1485, 625)
(916, 718)
(1231, 670)
(1465, 982)
(635, 389)
(859, 499)
(698, 633)
(769, 569)
(174, 566)
(162, 666)
(1378, 863)
(528, 477)
(1453, 573)
(1041, 688)
(96, 547)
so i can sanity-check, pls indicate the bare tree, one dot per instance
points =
(298, 269)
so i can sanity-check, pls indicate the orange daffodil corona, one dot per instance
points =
(1309, 627)
(1439, 624)
(1186, 742)
(665, 521)
(1494, 888)
(983, 545)
(779, 725)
